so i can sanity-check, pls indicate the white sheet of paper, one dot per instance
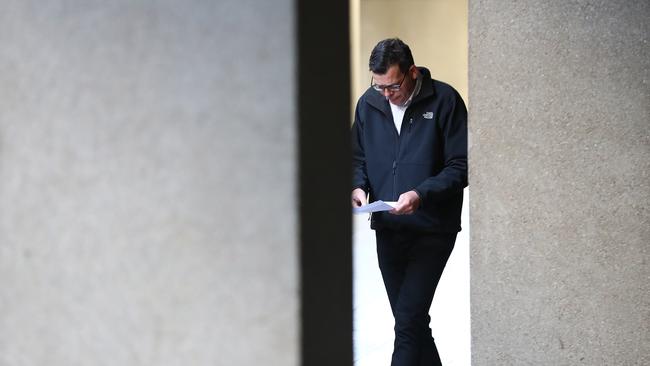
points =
(374, 207)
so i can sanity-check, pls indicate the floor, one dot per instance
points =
(373, 322)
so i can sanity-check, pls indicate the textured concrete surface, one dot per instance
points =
(147, 206)
(560, 182)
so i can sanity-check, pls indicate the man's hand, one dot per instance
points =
(406, 204)
(359, 198)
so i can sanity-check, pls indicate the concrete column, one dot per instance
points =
(560, 182)
(150, 185)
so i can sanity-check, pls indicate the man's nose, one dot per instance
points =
(386, 92)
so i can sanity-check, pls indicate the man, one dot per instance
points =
(409, 143)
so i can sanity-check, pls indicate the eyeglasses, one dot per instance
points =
(390, 88)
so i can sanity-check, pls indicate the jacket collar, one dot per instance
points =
(426, 91)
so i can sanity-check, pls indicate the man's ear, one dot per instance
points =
(413, 70)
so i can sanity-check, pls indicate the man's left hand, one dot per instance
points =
(407, 203)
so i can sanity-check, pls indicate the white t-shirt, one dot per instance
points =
(398, 115)
(398, 110)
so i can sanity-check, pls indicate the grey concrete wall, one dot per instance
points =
(148, 183)
(560, 182)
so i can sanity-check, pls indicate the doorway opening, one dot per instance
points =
(436, 32)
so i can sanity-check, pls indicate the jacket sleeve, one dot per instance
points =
(359, 174)
(453, 177)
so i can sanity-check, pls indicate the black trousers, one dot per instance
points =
(411, 264)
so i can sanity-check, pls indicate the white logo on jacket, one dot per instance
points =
(428, 115)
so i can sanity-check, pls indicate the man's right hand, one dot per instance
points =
(358, 197)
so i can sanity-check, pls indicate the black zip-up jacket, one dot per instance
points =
(428, 156)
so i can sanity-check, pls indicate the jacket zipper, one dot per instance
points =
(397, 147)
(396, 158)
(394, 180)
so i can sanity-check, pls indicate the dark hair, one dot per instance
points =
(389, 52)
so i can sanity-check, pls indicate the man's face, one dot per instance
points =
(393, 77)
